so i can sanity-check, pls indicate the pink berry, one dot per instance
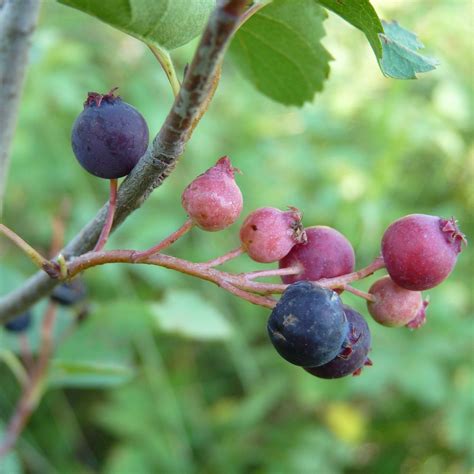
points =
(394, 306)
(326, 254)
(420, 251)
(213, 200)
(268, 234)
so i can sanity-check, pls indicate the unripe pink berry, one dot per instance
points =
(326, 254)
(268, 234)
(394, 306)
(213, 200)
(420, 251)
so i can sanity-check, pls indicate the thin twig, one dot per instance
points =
(33, 390)
(215, 262)
(273, 272)
(362, 294)
(104, 235)
(165, 243)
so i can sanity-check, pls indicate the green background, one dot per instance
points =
(202, 390)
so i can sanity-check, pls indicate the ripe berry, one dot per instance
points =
(308, 325)
(394, 306)
(213, 200)
(326, 254)
(268, 234)
(109, 136)
(353, 356)
(420, 251)
(20, 324)
(71, 293)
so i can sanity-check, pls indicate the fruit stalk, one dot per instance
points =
(104, 235)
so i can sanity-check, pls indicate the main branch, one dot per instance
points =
(159, 161)
(17, 23)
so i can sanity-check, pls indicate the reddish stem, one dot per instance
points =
(362, 294)
(224, 258)
(274, 272)
(31, 392)
(104, 235)
(165, 243)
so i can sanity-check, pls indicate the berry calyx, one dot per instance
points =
(353, 357)
(420, 318)
(109, 136)
(213, 200)
(394, 306)
(268, 234)
(20, 324)
(308, 325)
(420, 251)
(326, 254)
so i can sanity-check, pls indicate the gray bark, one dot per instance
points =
(17, 22)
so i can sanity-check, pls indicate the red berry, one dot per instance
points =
(420, 251)
(213, 200)
(394, 306)
(268, 234)
(326, 254)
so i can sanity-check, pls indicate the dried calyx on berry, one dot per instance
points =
(213, 200)
(353, 356)
(269, 234)
(109, 136)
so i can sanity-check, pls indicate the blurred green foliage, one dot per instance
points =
(156, 396)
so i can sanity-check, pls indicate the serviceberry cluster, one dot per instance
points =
(309, 325)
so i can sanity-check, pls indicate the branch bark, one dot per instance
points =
(17, 22)
(159, 161)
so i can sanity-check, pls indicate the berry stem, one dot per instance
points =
(32, 391)
(252, 298)
(168, 67)
(104, 235)
(224, 258)
(35, 256)
(165, 243)
(341, 281)
(274, 272)
(14, 365)
(362, 294)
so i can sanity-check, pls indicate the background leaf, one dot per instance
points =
(279, 50)
(165, 23)
(188, 314)
(400, 59)
(73, 373)
(395, 47)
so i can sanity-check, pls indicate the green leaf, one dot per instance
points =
(188, 314)
(400, 59)
(73, 373)
(165, 23)
(279, 50)
(362, 15)
(395, 48)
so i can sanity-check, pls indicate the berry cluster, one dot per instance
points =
(310, 326)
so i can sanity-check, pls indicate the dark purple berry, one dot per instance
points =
(354, 354)
(326, 254)
(20, 324)
(70, 293)
(308, 325)
(213, 200)
(268, 234)
(109, 136)
(420, 251)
